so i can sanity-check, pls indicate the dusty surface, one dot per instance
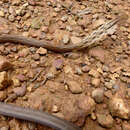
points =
(92, 85)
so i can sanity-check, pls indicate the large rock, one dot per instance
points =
(4, 80)
(119, 108)
(98, 95)
(87, 104)
(105, 120)
(75, 87)
(4, 64)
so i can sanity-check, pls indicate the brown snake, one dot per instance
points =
(88, 41)
(42, 117)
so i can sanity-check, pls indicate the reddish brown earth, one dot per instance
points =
(90, 88)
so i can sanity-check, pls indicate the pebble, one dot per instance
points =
(55, 108)
(4, 80)
(94, 73)
(85, 69)
(16, 2)
(16, 82)
(98, 95)
(78, 71)
(75, 40)
(20, 91)
(2, 14)
(114, 37)
(125, 126)
(36, 56)
(65, 39)
(4, 128)
(11, 18)
(3, 95)
(105, 120)
(95, 82)
(64, 18)
(41, 51)
(58, 64)
(32, 49)
(110, 84)
(75, 87)
(21, 77)
(44, 29)
(98, 53)
(69, 28)
(119, 108)
(87, 104)
(5, 64)
(24, 52)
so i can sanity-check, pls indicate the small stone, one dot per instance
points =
(41, 51)
(16, 2)
(2, 14)
(58, 63)
(114, 37)
(64, 18)
(129, 36)
(32, 49)
(110, 84)
(105, 120)
(55, 109)
(94, 73)
(78, 71)
(11, 18)
(21, 77)
(5, 64)
(85, 69)
(44, 29)
(87, 104)
(65, 39)
(125, 126)
(16, 82)
(98, 53)
(93, 116)
(119, 108)
(31, 2)
(69, 28)
(4, 128)
(98, 95)
(105, 68)
(75, 87)
(20, 91)
(14, 49)
(50, 76)
(95, 82)
(57, 9)
(4, 80)
(3, 95)
(37, 22)
(98, 23)
(36, 57)
(75, 40)
(128, 93)
(24, 52)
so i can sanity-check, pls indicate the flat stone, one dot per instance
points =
(105, 120)
(41, 51)
(75, 87)
(5, 64)
(119, 108)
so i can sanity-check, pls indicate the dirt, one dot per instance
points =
(92, 85)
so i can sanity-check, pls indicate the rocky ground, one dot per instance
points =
(93, 85)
